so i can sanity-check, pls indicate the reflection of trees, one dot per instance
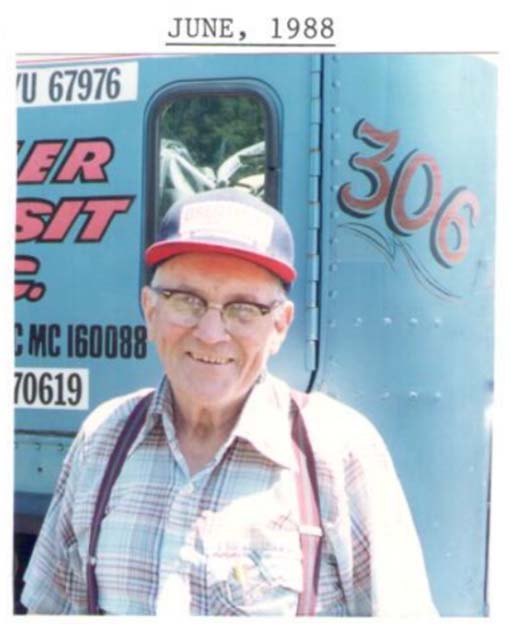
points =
(214, 127)
(209, 142)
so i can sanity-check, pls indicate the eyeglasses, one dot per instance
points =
(186, 309)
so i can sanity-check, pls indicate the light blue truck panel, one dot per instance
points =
(404, 338)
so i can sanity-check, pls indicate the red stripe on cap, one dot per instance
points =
(162, 250)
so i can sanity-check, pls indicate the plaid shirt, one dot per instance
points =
(225, 541)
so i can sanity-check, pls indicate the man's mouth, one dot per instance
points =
(210, 359)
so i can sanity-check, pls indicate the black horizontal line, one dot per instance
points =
(248, 45)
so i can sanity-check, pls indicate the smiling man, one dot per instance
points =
(215, 320)
(225, 492)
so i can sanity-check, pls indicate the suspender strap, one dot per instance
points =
(307, 491)
(309, 509)
(126, 438)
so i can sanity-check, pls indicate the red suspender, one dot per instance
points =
(126, 438)
(309, 509)
(307, 489)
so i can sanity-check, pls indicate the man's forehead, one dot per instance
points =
(204, 268)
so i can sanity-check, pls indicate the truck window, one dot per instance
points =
(206, 141)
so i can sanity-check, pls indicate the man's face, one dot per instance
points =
(207, 364)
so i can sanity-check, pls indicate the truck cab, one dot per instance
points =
(384, 166)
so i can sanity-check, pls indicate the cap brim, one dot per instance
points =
(162, 250)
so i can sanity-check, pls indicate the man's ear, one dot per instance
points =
(148, 306)
(283, 320)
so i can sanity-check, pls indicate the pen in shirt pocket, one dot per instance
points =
(239, 573)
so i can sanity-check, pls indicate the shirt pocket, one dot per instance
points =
(254, 582)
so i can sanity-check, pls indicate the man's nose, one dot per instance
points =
(211, 328)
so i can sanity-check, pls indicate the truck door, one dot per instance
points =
(251, 122)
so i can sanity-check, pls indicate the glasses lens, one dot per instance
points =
(184, 308)
(241, 314)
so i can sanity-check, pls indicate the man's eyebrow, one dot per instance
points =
(183, 287)
(242, 297)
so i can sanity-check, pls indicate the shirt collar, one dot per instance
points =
(264, 421)
(159, 412)
(161, 408)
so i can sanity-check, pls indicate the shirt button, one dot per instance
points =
(187, 553)
(188, 489)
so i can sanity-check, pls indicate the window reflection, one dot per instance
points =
(211, 141)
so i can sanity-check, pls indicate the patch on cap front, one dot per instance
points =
(224, 220)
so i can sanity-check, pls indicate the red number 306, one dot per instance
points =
(457, 212)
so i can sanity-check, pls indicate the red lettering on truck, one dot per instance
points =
(86, 159)
(41, 221)
(449, 229)
(31, 290)
(85, 218)
(39, 161)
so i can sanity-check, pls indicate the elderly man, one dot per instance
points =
(224, 492)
